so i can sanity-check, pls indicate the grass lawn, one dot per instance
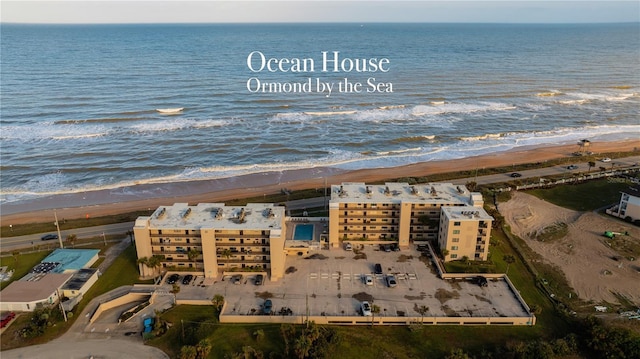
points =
(22, 264)
(586, 196)
(356, 342)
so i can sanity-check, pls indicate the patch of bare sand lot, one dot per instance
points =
(583, 254)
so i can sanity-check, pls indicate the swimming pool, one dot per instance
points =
(303, 232)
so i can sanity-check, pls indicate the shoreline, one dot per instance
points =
(150, 196)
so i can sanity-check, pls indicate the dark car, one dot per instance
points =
(259, 279)
(49, 237)
(378, 268)
(516, 175)
(395, 247)
(187, 279)
(173, 278)
(572, 167)
(268, 305)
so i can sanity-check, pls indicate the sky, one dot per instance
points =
(212, 11)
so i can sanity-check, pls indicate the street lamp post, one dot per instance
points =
(58, 228)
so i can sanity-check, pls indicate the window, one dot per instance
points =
(454, 248)
(456, 231)
(456, 223)
(455, 240)
(454, 256)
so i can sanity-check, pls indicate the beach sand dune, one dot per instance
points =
(583, 255)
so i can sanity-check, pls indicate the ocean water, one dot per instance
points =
(78, 109)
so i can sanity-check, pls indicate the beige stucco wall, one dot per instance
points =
(209, 257)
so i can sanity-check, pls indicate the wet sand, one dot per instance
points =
(150, 196)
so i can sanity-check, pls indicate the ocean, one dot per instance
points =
(79, 103)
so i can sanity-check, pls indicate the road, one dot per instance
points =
(11, 243)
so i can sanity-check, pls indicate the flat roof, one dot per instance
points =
(217, 215)
(398, 192)
(632, 190)
(34, 288)
(79, 278)
(71, 259)
(466, 213)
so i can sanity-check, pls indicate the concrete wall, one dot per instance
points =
(359, 320)
(127, 298)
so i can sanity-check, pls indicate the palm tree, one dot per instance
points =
(155, 262)
(175, 290)
(218, 302)
(508, 259)
(375, 309)
(203, 348)
(188, 352)
(142, 263)
(302, 346)
(193, 254)
(71, 239)
(591, 164)
(423, 309)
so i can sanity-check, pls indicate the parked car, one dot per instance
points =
(6, 319)
(49, 237)
(348, 247)
(368, 279)
(365, 309)
(259, 279)
(395, 247)
(173, 279)
(515, 175)
(387, 248)
(572, 167)
(606, 159)
(267, 306)
(187, 279)
(236, 279)
(377, 269)
(391, 281)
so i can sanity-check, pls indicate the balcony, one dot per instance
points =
(246, 261)
(244, 235)
(174, 243)
(175, 235)
(238, 244)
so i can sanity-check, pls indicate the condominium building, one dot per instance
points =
(396, 212)
(213, 238)
(464, 232)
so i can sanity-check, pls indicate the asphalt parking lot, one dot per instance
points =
(330, 282)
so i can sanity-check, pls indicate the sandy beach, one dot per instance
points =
(149, 196)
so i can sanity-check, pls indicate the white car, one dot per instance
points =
(348, 247)
(368, 279)
(365, 309)
(606, 159)
(391, 281)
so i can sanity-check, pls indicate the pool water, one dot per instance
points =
(303, 232)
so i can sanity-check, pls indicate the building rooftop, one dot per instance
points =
(468, 213)
(71, 259)
(79, 279)
(34, 288)
(215, 215)
(397, 192)
(632, 190)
